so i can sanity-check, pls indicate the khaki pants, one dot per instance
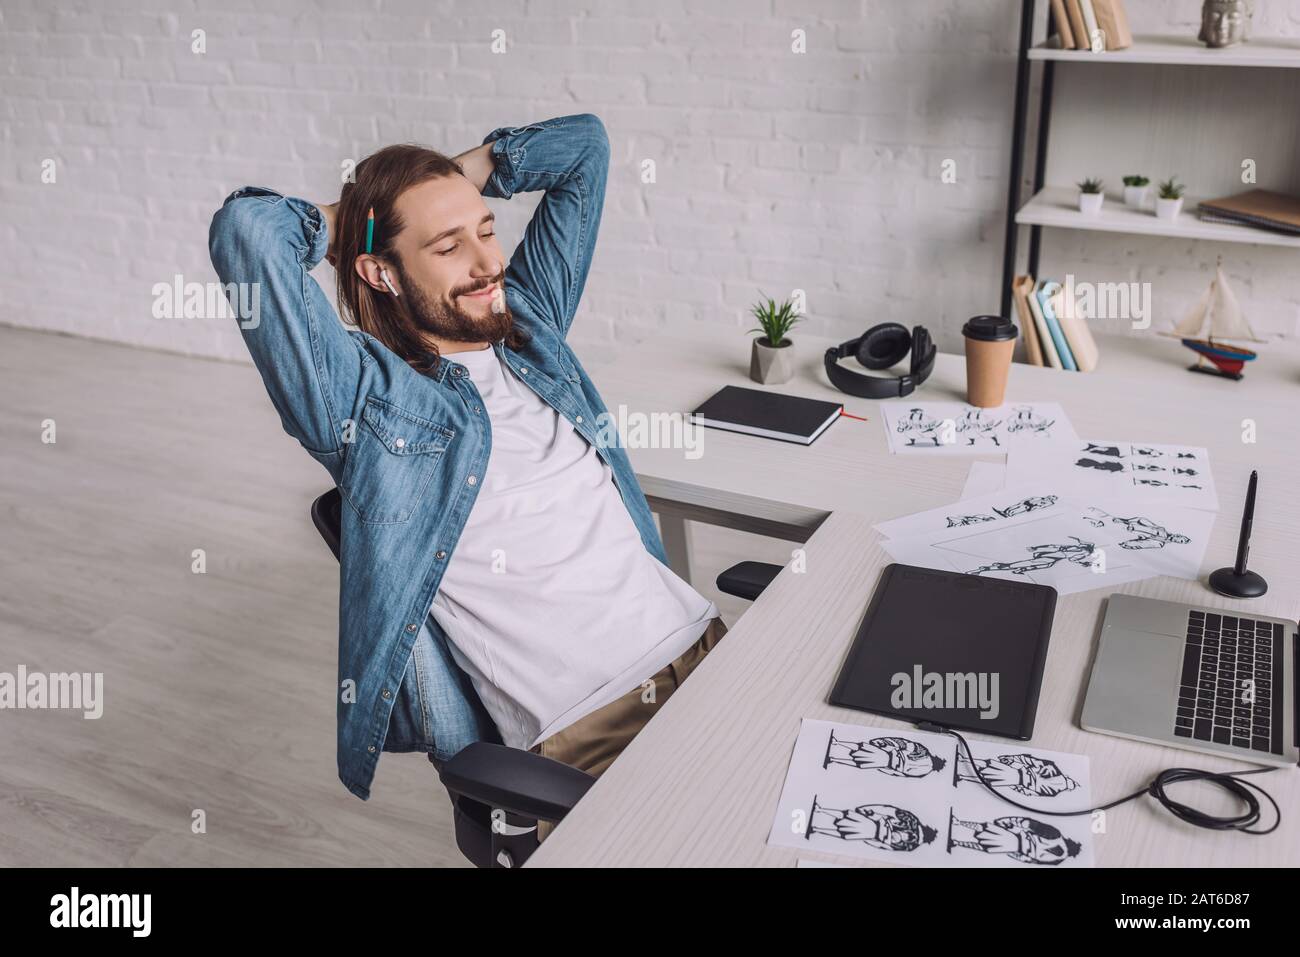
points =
(593, 741)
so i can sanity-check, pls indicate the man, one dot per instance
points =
(501, 575)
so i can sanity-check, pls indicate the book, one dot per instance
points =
(1077, 334)
(1256, 207)
(772, 415)
(1089, 22)
(1062, 24)
(1040, 324)
(1048, 289)
(1033, 352)
(1075, 13)
(1113, 21)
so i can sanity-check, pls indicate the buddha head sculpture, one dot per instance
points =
(1225, 22)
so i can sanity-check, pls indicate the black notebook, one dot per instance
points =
(790, 418)
(932, 641)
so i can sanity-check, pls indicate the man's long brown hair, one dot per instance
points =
(379, 179)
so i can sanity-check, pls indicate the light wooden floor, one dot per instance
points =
(218, 687)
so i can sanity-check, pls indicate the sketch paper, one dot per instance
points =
(984, 477)
(1142, 472)
(955, 428)
(1068, 545)
(987, 509)
(908, 797)
(813, 862)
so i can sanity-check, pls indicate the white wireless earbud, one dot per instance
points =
(383, 274)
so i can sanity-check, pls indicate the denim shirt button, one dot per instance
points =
(410, 627)
(400, 443)
(578, 420)
(440, 554)
(387, 693)
(371, 749)
(524, 369)
(472, 480)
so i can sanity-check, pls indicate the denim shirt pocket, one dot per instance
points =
(391, 461)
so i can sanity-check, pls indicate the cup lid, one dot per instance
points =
(990, 328)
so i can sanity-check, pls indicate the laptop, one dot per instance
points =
(1201, 679)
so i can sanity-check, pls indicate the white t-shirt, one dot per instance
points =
(551, 602)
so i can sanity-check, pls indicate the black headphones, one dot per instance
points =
(879, 348)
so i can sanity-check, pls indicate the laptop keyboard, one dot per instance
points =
(1231, 688)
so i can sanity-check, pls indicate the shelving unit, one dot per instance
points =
(1182, 51)
(1056, 206)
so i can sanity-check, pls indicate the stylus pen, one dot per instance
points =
(1247, 519)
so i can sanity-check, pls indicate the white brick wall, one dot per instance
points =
(818, 171)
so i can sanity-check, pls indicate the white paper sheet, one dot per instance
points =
(984, 477)
(1069, 545)
(813, 862)
(955, 428)
(1140, 471)
(906, 797)
(987, 509)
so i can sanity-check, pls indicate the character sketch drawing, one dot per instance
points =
(1022, 839)
(895, 756)
(1045, 556)
(1023, 773)
(882, 826)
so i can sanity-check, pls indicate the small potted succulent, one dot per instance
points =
(1091, 196)
(771, 357)
(1169, 200)
(1135, 191)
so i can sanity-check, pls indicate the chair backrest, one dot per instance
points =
(326, 515)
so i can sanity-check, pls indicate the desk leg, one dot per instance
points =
(676, 534)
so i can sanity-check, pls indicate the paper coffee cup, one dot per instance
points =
(990, 341)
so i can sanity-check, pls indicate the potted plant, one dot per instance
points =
(1135, 191)
(1091, 196)
(770, 360)
(1169, 200)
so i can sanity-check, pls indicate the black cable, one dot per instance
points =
(1226, 780)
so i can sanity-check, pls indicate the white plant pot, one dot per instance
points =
(1090, 203)
(1168, 209)
(1136, 196)
(771, 366)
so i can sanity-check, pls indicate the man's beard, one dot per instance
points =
(453, 323)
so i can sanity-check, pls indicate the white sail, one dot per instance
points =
(1226, 318)
(1194, 321)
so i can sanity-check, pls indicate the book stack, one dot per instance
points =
(1256, 207)
(1054, 333)
(1094, 25)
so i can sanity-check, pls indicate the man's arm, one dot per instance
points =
(308, 361)
(477, 164)
(569, 158)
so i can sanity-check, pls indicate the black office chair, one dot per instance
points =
(522, 787)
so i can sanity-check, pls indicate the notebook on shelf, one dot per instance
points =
(1256, 207)
(772, 415)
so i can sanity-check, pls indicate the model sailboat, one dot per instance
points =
(1217, 317)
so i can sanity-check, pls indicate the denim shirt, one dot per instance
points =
(419, 441)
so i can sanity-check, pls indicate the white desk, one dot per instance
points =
(699, 785)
